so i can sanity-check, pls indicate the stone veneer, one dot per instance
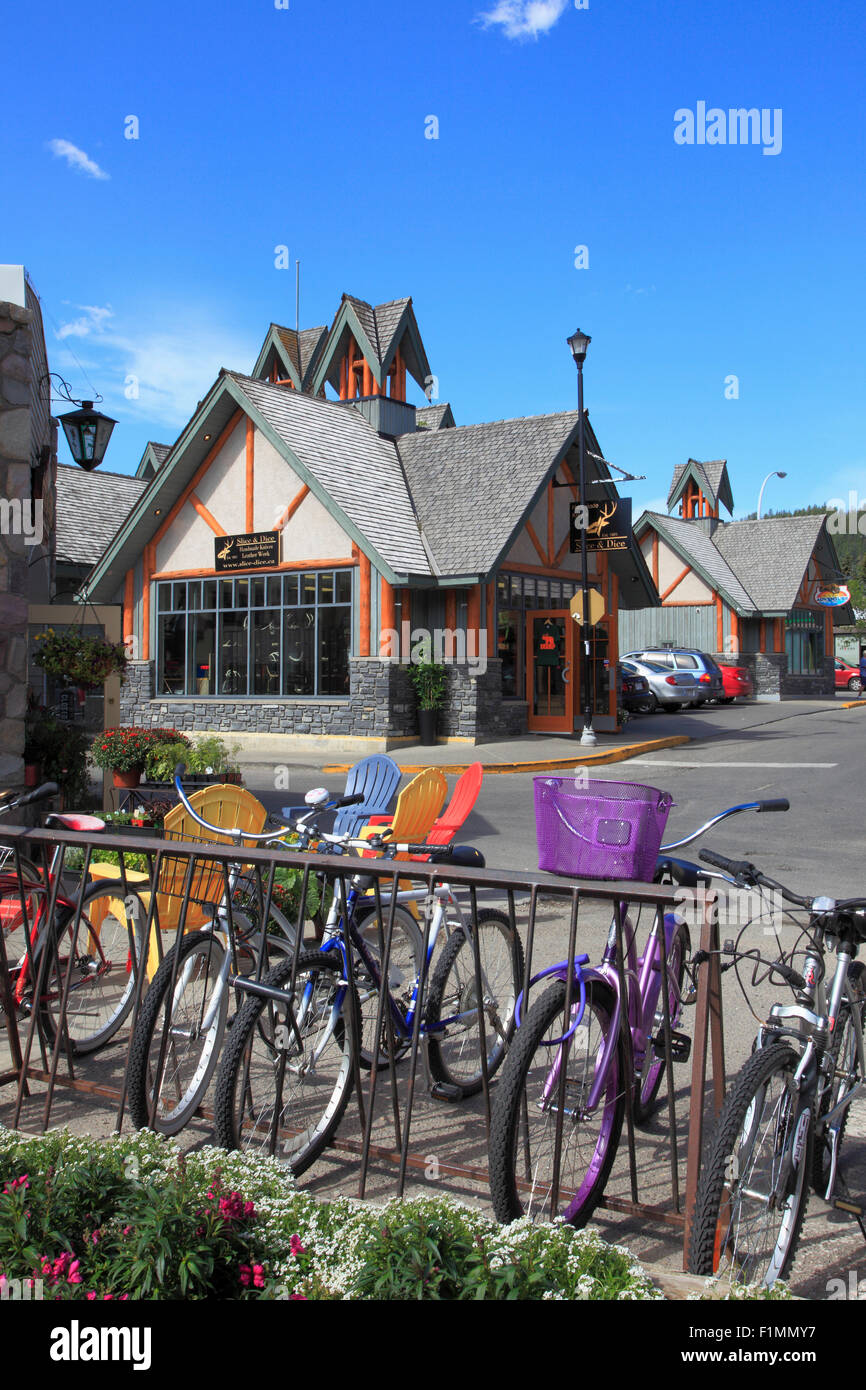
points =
(381, 704)
(772, 681)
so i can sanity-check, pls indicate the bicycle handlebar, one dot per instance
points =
(38, 794)
(780, 803)
(268, 836)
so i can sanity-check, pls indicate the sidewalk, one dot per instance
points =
(535, 752)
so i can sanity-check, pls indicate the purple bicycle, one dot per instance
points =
(569, 1053)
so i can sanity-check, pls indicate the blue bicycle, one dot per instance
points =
(288, 1070)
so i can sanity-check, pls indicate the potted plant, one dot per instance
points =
(80, 660)
(57, 752)
(208, 760)
(429, 679)
(124, 752)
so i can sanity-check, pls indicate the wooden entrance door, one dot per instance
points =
(550, 670)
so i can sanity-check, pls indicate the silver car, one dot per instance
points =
(668, 690)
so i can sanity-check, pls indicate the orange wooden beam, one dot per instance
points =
(291, 509)
(450, 620)
(551, 554)
(735, 632)
(205, 515)
(779, 634)
(128, 604)
(291, 565)
(250, 473)
(720, 627)
(364, 636)
(199, 474)
(147, 565)
(537, 543)
(679, 579)
(656, 558)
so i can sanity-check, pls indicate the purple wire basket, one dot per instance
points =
(599, 829)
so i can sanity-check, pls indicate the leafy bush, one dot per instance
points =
(429, 679)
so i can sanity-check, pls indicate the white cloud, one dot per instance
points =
(525, 19)
(76, 158)
(92, 320)
(172, 370)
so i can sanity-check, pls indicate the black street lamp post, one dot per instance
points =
(579, 342)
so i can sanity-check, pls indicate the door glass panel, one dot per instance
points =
(548, 660)
(299, 651)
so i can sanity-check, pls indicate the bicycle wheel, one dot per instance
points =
(191, 1019)
(754, 1186)
(650, 1079)
(845, 1074)
(286, 1075)
(105, 948)
(404, 967)
(11, 915)
(523, 1123)
(452, 1016)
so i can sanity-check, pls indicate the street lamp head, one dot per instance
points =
(781, 475)
(87, 433)
(579, 342)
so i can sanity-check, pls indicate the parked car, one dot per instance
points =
(634, 691)
(705, 668)
(847, 676)
(668, 690)
(737, 681)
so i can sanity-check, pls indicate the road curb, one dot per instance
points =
(612, 755)
(853, 704)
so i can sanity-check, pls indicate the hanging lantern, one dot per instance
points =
(87, 433)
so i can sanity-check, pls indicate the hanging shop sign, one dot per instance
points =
(833, 595)
(607, 525)
(259, 550)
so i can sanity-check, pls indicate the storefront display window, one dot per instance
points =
(271, 635)
(804, 643)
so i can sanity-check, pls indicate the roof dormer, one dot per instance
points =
(371, 350)
(700, 488)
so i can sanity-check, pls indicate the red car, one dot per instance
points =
(737, 680)
(847, 676)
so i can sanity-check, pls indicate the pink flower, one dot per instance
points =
(74, 1276)
(244, 1274)
(95, 1237)
(258, 1276)
(296, 1247)
(90, 1297)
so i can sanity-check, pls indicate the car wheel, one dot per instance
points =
(855, 683)
(649, 705)
(671, 709)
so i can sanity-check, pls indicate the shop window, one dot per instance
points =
(270, 635)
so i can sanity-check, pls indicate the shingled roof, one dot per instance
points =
(356, 468)
(473, 485)
(303, 348)
(91, 507)
(711, 478)
(770, 556)
(435, 417)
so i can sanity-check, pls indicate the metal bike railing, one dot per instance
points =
(523, 894)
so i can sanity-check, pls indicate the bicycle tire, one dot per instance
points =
(103, 980)
(455, 1055)
(262, 1100)
(404, 966)
(747, 1222)
(648, 1083)
(191, 1053)
(843, 1050)
(589, 1142)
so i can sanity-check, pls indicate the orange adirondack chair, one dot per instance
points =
(418, 805)
(225, 805)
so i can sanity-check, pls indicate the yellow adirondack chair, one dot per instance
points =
(418, 805)
(226, 805)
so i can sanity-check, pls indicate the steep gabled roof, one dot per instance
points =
(152, 459)
(474, 486)
(90, 509)
(378, 332)
(692, 542)
(711, 478)
(435, 417)
(296, 354)
(348, 465)
(771, 557)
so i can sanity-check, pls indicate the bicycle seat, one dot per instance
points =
(86, 824)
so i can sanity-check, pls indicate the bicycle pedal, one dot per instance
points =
(443, 1090)
(681, 1046)
(838, 1204)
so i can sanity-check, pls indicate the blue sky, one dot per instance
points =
(305, 126)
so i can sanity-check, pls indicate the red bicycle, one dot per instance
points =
(86, 956)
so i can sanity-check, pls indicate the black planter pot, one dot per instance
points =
(427, 726)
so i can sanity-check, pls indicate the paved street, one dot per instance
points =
(814, 754)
